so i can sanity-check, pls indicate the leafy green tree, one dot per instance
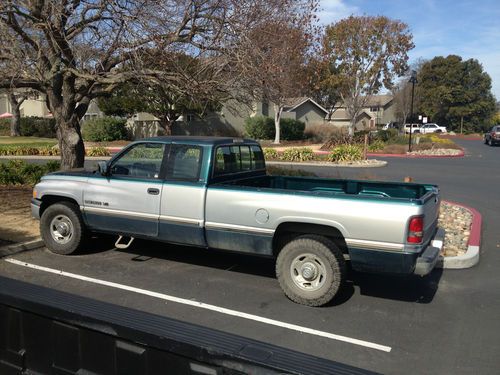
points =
(456, 92)
(363, 55)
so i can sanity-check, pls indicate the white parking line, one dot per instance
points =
(206, 306)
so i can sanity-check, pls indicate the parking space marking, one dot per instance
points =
(206, 306)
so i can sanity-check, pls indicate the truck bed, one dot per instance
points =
(322, 186)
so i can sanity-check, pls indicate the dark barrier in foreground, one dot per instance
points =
(51, 332)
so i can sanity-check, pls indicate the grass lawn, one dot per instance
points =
(27, 141)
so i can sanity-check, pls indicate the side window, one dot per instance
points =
(140, 161)
(184, 163)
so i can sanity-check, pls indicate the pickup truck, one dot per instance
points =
(214, 192)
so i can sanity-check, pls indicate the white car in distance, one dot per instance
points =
(415, 128)
(432, 128)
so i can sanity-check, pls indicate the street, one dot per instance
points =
(446, 323)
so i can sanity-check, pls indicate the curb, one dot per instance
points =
(471, 256)
(20, 247)
(460, 155)
(380, 163)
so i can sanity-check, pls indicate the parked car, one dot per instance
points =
(492, 138)
(415, 128)
(215, 193)
(432, 128)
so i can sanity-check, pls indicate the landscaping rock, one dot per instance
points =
(456, 221)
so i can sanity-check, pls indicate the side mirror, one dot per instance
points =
(103, 168)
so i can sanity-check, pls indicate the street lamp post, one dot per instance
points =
(412, 80)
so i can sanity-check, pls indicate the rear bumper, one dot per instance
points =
(401, 263)
(429, 257)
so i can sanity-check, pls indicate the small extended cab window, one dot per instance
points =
(235, 159)
(184, 162)
(142, 160)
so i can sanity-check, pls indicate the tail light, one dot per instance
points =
(415, 230)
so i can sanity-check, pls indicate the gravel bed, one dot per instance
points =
(457, 221)
(437, 151)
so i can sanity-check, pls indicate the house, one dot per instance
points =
(33, 106)
(378, 110)
(231, 119)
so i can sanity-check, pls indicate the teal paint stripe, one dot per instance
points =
(317, 194)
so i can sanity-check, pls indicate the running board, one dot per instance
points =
(119, 245)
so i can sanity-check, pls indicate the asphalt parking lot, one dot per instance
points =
(447, 323)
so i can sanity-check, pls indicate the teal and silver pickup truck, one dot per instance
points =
(215, 193)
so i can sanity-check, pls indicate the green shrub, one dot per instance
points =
(97, 151)
(18, 172)
(38, 127)
(26, 150)
(387, 135)
(260, 127)
(298, 154)
(376, 145)
(346, 153)
(399, 140)
(105, 129)
(4, 127)
(292, 130)
(271, 154)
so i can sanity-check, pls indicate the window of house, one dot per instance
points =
(374, 109)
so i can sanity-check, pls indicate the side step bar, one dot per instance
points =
(120, 245)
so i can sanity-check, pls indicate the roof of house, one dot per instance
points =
(292, 103)
(373, 101)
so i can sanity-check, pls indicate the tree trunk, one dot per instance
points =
(70, 143)
(350, 129)
(15, 124)
(167, 124)
(277, 118)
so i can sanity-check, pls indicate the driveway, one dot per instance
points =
(446, 323)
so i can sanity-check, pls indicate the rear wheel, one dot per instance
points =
(62, 228)
(311, 270)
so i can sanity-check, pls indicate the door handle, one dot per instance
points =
(153, 191)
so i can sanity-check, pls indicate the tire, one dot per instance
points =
(62, 228)
(318, 257)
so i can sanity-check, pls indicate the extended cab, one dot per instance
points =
(215, 193)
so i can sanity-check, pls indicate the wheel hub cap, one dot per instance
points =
(309, 271)
(63, 229)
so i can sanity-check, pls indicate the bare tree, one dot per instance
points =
(274, 55)
(76, 50)
(367, 53)
(15, 103)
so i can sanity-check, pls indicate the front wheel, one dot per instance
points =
(62, 228)
(311, 270)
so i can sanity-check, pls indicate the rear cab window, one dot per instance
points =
(236, 159)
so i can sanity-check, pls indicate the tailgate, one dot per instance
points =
(432, 202)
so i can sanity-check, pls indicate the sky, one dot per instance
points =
(467, 28)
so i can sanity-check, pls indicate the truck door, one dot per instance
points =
(127, 201)
(182, 211)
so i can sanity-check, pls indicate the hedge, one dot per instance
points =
(104, 129)
(261, 127)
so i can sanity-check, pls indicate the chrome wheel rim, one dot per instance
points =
(61, 229)
(308, 272)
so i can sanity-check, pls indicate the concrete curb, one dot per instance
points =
(460, 155)
(471, 256)
(380, 163)
(20, 247)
